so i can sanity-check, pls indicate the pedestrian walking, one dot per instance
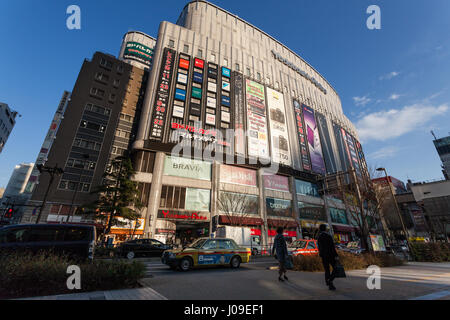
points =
(280, 247)
(327, 252)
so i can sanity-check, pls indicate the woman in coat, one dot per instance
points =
(280, 247)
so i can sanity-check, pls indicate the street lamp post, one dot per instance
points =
(396, 206)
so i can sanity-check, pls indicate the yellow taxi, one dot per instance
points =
(207, 252)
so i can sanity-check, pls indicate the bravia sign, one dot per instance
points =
(187, 168)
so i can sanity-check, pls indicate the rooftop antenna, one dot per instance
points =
(433, 135)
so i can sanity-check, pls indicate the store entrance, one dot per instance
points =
(186, 233)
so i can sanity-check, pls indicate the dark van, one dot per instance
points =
(76, 241)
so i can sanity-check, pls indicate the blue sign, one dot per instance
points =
(226, 101)
(226, 72)
(198, 77)
(180, 94)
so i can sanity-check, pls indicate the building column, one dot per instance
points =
(155, 196)
(295, 206)
(214, 193)
(263, 213)
(328, 214)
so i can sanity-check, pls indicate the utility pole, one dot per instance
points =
(53, 172)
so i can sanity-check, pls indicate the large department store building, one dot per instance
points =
(212, 72)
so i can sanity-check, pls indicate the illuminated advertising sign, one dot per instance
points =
(196, 93)
(198, 77)
(226, 72)
(225, 86)
(258, 145)
(162, 95)
(184, 64)
(306, 163)
(182, 78)
(139, 52)
(178, 112)
(313, 139)
(187, 168)
(212, 87)
(237, 175)
(278, 128)
(212, 71)
(187, 216)
(275, 182)
(199, 63)
(180, 94)
(225, 101)
(211, 102)
(330, 162)
(351, 151)
(239, 118)
(225, 116)
(279, 207)
(345, 161)
(210, 119)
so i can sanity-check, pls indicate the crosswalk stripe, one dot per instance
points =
(433, 296)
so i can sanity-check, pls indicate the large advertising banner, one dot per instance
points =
(279, 207)
(236, 175)
(197, 200)
(162, 95)
(362, 160)
(351, 151)
(139, 52)
(187, 168)
(342, 150)
(258, 144)
(278, 128)
(306, 162)
(314, 145)
(239, 138)
(377, 243)
(276, 182)
(328, 154)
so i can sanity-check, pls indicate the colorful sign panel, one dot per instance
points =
(278, 128)
(279, 207)
(162, 95)
(313, 139)
(306, 162)
(258, 145)
(187, 168)
(377, 243)
(236, 175)
(328, 154)
(239, 115)
(180, 94)
(186, 216)
(226, 72)
(351, 151)
(139, 52)
(275, 182)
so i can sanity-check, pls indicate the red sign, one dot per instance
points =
(275, 182)
(166, 214)
(184, 64)
(273, 233)
(199, 63)
(236, 175)
(255, 232)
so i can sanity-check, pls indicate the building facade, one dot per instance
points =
(443, 148)
(214, 72)
(7, 122)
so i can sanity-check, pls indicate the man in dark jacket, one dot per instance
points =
(328, 253)
(280, 248)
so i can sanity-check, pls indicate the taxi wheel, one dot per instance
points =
(130, 255)
(185, 264)
(235, 262)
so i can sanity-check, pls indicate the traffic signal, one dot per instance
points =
(9, 213)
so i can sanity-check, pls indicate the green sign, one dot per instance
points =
(187, 168)
(139, 52)
(197, 200)
(196, 93)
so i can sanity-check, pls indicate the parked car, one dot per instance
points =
(76, 241)
(303, 247)
(207, 252)
(399, 251)
(142, 248)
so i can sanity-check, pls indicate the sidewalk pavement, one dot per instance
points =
(125, 294)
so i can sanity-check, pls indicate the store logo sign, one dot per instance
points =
(277, 56)
(166, 214)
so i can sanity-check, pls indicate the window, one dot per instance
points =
(78, 234)
(200, 53)
(44, 234)
(101, 77)
(226, 244)
(225, 62)
(258, 76)
(249, 73)
(112, 97)
(97, 92)
(213, 57)
(171, 44)
(106, 63)
(307, 188)
(237, 66)
(116, 83)
(186, 48)
(14, 235)
(119, 68)
(210, 244)
(311, 245)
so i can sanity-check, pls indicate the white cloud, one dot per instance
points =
(361, 101)
(394, 96)
(384, 153)
(385, 125)
(389, 75)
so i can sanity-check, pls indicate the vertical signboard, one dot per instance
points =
(278, 128)
(362, 159)
(162, 95)
(328, 154)
(306, 163)
(258, 145)
(225, 101)
(351, 151)
(239, 139)
(313, 140)
(211, 99)
(345, 160)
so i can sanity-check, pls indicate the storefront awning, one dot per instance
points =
(340, 228)
(282, 223)
(240, 220)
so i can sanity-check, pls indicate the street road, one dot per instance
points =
(254, 281)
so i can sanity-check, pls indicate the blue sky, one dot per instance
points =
(394, 83)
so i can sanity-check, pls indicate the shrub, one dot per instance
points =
(349, 260)
(431, 251)
(27, 275)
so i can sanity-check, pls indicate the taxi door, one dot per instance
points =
(208, 254)
(311, 248)
(225, 250)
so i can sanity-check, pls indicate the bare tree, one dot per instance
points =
(237, 207)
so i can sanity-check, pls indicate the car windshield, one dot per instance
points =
(197, 244)
(298, 244)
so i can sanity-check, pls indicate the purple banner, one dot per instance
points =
(315, 148)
